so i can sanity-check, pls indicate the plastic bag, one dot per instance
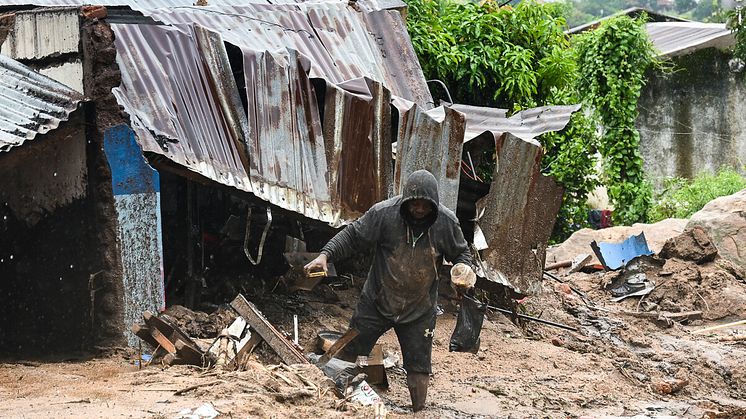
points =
(465, 337)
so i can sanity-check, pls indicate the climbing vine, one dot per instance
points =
(613, 60)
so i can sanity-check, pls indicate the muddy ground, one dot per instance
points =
(611, 367)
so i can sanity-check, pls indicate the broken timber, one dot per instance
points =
(287, 352)
(161, 334)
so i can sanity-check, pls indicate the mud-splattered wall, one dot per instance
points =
(692, 120)
(48, 246)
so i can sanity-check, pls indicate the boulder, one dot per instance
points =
(693, 244)
(724, 220)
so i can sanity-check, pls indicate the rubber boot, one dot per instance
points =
(417, 383)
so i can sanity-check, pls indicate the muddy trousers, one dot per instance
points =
(415, 339)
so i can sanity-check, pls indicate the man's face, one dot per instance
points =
(419, 208)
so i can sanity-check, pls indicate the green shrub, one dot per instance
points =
(682, 197)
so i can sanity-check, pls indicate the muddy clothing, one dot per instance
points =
(402, 287)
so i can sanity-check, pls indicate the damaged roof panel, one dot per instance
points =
(30, 103)
(527, 124)
(171, 96)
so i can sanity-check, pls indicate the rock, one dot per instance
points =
(670, 386)
(580, 242)
(693, 244)
(724, 219)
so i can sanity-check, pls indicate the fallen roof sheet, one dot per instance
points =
(679, 38)
(30, 103)
(526, 124)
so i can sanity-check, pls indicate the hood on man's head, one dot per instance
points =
(420, 185)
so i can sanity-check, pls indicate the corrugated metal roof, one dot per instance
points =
(142, 5)
(332, 36)
(172, 95)
(679, 38)
(30, 103)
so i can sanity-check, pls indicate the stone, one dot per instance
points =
(693, 244)
(724, 220)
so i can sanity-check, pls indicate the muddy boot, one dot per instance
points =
(417, 383)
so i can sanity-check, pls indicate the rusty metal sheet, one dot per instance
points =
(173, 101)
(432, 140)
(517, 213)
(526, 124)
(287, 163)
(401, 67)
(357, 134)
(30, 103)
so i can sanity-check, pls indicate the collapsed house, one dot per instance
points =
(208, 133)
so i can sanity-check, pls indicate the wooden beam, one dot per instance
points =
(287, 352)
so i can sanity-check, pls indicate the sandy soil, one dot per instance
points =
(608, 369)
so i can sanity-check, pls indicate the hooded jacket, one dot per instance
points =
(402, 281)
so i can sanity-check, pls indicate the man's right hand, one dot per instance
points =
(316, 265)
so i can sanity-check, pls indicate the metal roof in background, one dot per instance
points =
(633, 12)
(30, 103)
(679, 38)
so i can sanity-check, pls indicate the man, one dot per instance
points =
(411, 233)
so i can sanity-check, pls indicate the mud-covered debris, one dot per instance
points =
(693, 244)
(199, 324)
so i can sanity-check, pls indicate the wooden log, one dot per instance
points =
(287, 352)
(338, 346)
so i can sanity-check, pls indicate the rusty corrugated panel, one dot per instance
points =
(30, 103)
(357, 127)
(340, 43)
(287, 157)
(517, 209)
(526, 124)
(169, 90)
(401, 66)
(431, 140)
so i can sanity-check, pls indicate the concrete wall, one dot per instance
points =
(137, 198)
(694, 119)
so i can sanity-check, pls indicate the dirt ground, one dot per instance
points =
(611, 367)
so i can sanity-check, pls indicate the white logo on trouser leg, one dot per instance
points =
(429, 333)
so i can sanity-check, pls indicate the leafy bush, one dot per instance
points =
(682, 197)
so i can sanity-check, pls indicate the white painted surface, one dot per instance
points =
(42, 34)
(70, 74)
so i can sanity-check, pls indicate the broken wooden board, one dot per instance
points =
(174, 341)
(239, 360)
(259, 324)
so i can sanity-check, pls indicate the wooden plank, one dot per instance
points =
(163, 341)
(143, 332)
(338, 346)
(172, 332)
(190, 355)
(287, 352)
(238, 361)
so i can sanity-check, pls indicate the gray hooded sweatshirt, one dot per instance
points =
(402, 281)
